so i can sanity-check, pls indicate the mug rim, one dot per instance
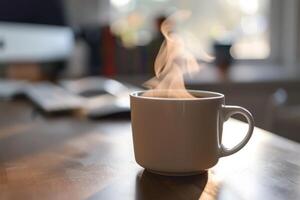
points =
(217, 95)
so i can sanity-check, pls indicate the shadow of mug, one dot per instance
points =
(144, 185)
(151, 186)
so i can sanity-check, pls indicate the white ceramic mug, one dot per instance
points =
(177, 136)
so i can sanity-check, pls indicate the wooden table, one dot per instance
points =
(71, 158)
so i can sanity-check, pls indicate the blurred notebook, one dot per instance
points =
(100, 96)
(93, 96)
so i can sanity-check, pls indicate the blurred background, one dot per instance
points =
(255, 45)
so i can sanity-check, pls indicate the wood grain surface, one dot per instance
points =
(73, 158)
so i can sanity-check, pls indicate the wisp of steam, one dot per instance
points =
(173, 61)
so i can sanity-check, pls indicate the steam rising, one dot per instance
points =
(173, 61)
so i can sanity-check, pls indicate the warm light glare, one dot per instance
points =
(249, 6)
(238, 21)
(242, 49)
(120, 3)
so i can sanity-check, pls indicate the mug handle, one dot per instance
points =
(226, 113)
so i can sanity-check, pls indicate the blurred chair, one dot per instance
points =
(283, 115)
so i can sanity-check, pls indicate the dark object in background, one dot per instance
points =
(49, 12)
(223, 58)
(102, 49)
(2, 43)
(108, 53)
(92, 36)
